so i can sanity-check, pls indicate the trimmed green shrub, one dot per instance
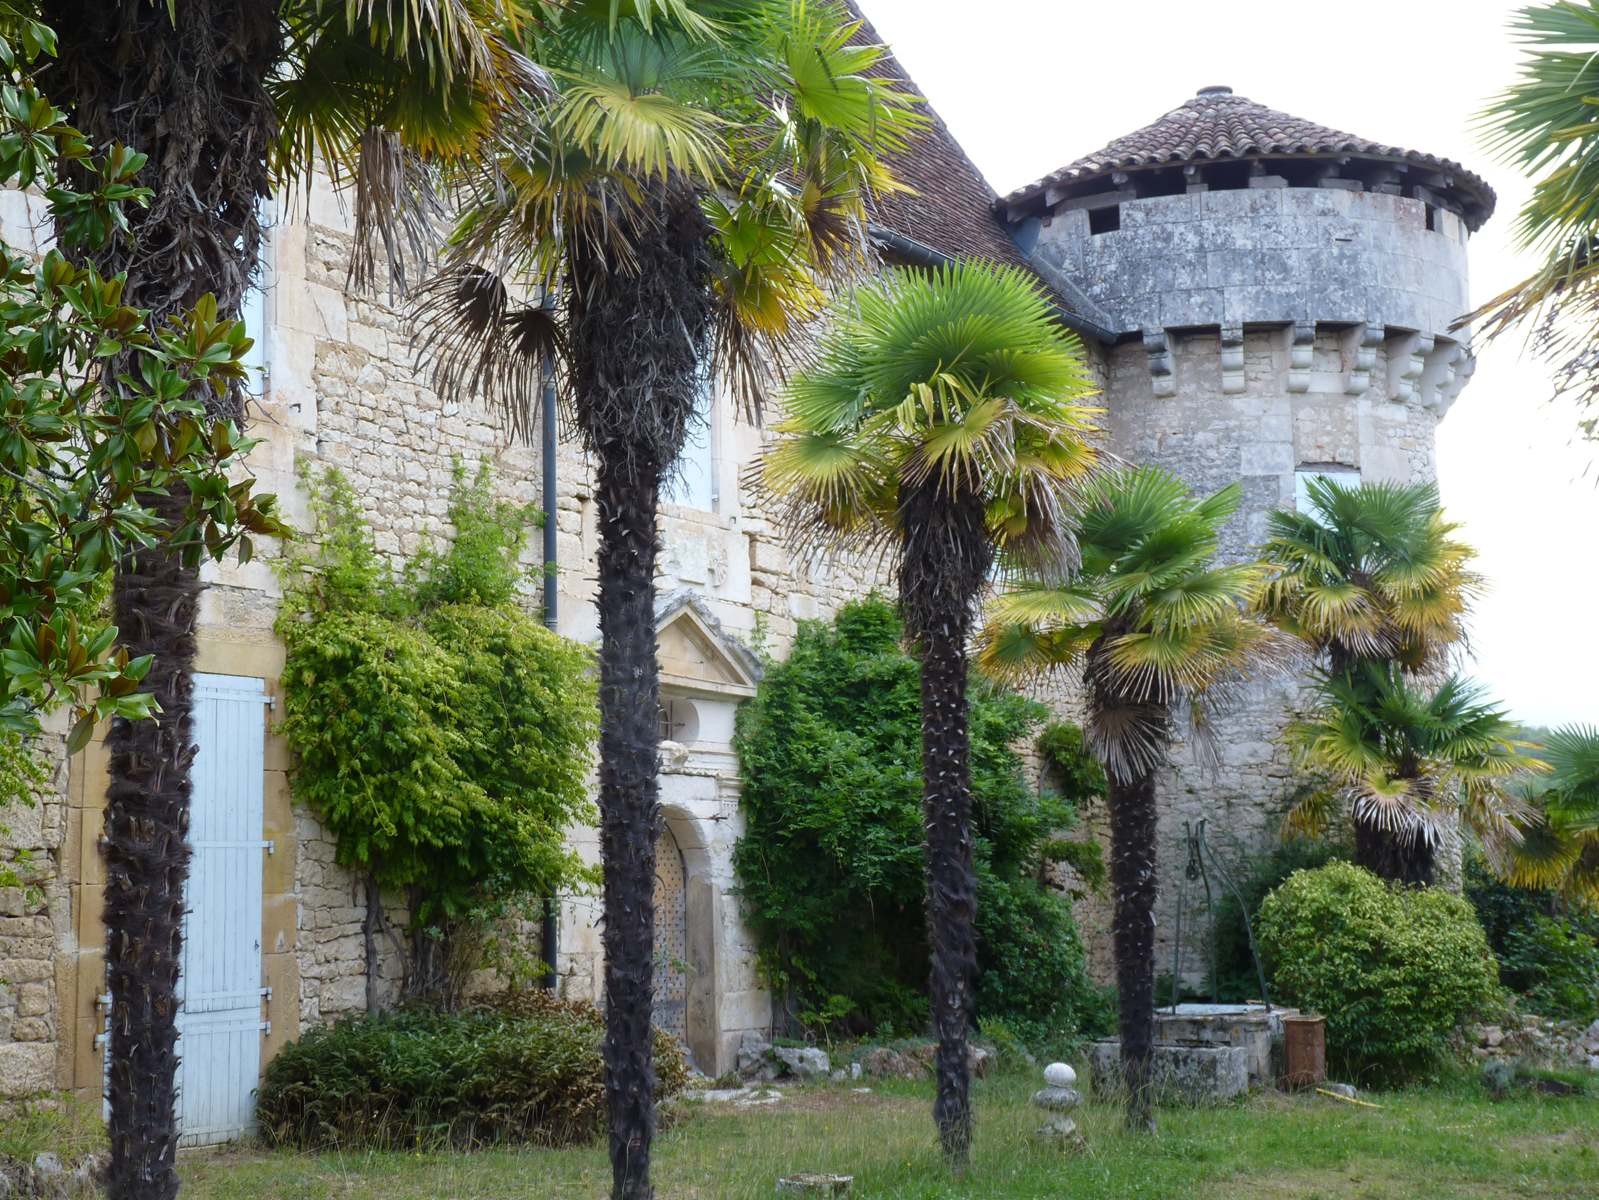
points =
(1394, 970)
(1547, 947)
(830, 864)
(522, 1070)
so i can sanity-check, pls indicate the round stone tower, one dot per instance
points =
(1283, 298)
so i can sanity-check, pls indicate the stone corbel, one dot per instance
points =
(1465, 368)
(1162, 378)
(1232, 360)
(1301, 355)
(1441, 380)
(1360, 349)
(1407, 359)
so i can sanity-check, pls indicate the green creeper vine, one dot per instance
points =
(440, 732)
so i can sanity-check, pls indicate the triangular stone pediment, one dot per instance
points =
(696, 656)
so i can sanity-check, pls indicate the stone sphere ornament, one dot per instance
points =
(1058, 1098)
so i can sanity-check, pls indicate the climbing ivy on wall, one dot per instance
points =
(830, 864)
(439, 731)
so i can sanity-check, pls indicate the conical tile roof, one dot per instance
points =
(1217, 126)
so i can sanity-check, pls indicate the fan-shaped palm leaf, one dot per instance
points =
(1545, 123)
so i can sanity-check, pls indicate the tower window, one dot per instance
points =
(1343, 476)
(1432, 218)
(1105, 220)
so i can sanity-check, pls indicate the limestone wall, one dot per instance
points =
(1216, 414)
(32, 844)
(1267, 253)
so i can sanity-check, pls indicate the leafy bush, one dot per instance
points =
(441, 733)
(1393, 970)
(1547, 947)
(525, 1070)
(830, 865)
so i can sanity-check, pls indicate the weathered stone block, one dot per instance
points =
(1191, 1074)
(27, 1067)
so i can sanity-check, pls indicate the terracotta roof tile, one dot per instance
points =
(1217, 125)
(952, 207)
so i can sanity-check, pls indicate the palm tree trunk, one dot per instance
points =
(191, 95)
(1131, 808)
(1410, 862)
(629, 813)
(147, 863)
(637, 336)
(945, 558)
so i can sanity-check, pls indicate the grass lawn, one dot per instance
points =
(1437, 1144)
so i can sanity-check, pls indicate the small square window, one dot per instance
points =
(1348, 477)
(1105, 220)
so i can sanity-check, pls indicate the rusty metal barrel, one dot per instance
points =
(1304, 1051)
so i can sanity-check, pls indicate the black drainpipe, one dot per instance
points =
(551, 932)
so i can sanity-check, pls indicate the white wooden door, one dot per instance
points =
(219, 1019)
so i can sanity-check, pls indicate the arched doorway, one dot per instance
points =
(671, 938)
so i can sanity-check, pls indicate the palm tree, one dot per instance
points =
(1158, 629)
(1408, 763)
(1560, 845)
(1545, 124)
(1370, 577)
(942, 416)
(231, 99)
(1371, 572)
(699, 170)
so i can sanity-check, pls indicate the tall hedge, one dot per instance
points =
(830, 864)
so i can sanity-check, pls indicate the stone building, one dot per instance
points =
(1263, 298)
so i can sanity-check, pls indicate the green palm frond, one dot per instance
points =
(773, 112)
(959, 379)
(1573, 755)
(385, 94)
(1151, 617)
(1405, 757)
(1370, 572)
(1547, 124)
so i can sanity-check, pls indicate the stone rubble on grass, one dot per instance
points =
(741, 1097)
(804, 1063)
(1540, 1040)
(812, 1184)
(48, 1178)
(1346, 1090)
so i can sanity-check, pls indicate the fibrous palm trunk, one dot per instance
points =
(637, 339)
(190, 93)
(945, 558)
(1131, 807)
(1407, 860)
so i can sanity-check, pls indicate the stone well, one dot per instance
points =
(1204, 1053)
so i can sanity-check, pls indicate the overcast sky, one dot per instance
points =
(1029, 85)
